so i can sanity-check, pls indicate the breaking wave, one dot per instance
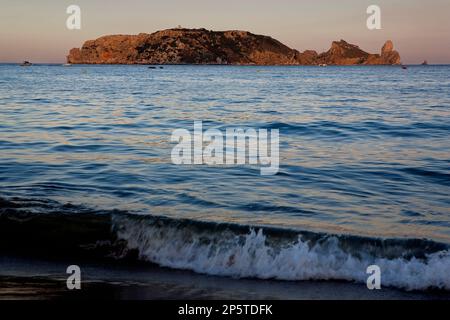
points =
(271, 254)
(221, 249)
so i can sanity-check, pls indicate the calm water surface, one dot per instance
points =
(363, 150)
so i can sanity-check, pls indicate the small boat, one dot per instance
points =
(67, 65)
(425, 63)
(152, 67)
(26, 64)
(323, 65)
(404, 67)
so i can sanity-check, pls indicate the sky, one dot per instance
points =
(36, 30)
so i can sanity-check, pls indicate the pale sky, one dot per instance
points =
(36, 30)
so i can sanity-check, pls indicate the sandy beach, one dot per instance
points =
(143, 281)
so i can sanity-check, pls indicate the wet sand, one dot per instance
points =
(22, 278)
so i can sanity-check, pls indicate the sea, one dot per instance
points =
(364, 172)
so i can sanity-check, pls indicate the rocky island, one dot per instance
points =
(201, 46)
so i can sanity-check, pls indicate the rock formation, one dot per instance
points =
(201, 46)
(343, 53)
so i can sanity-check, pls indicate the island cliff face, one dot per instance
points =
(201, 46)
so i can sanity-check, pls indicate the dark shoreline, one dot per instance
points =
(24, 278)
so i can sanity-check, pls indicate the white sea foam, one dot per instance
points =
(227, 253)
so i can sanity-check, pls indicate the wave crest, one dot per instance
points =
(255, 254)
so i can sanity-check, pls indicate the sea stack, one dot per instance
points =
(389, 55)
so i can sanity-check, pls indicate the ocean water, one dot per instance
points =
(364, 172)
